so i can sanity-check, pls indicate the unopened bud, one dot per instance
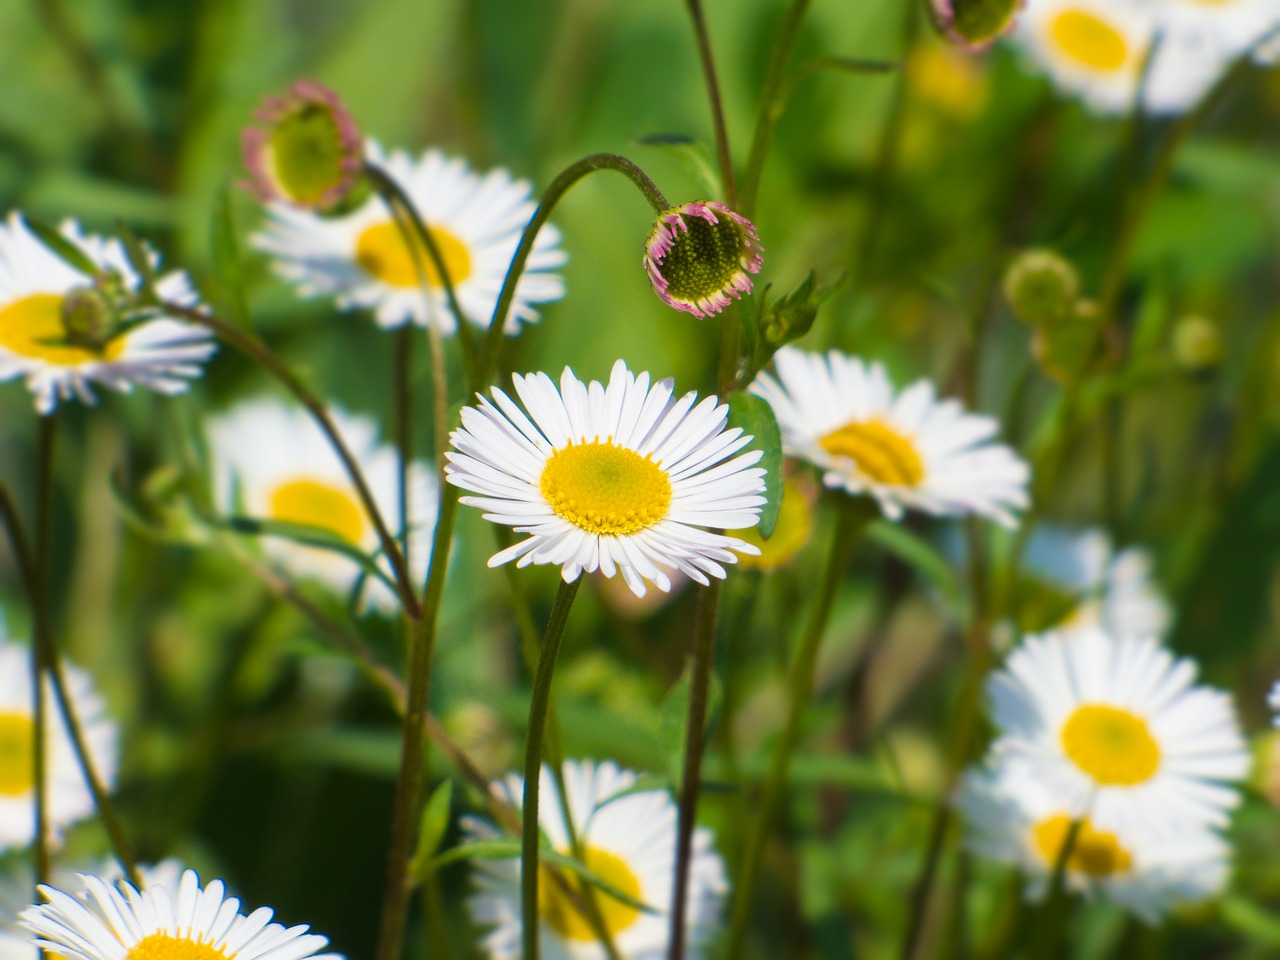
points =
(698, 255)
(88, 317)
(1197, 344)
(1073, 347)
(1041, 287)
(975, 24)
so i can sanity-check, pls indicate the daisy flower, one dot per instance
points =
(1015, 819)
(1117, 728)
(907, 450)
(68, 795)
(1273, 701)
(1076, 579)
(272, 462)
(475, 219)
(629, 842)
(698, 255)
(161, 354)
(616, 478)
(117, 922)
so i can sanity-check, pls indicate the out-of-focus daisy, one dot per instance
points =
(629, 842)
(67, 793)
(699, 255)
(117, 922)
(1075, 579)
(1273, 701)
(619, 479)
(1093, 48)
(1015, 819)
(160, 353)
(908, 450)
(1117, 728)
(362, 261)
(273, 463)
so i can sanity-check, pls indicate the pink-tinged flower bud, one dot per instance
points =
(308, 152)
(975, 24)
(701, 254)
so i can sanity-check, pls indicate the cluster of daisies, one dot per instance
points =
(1110, 763)
(1105, 51)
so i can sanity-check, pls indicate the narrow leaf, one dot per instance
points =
(62, 248)
(674, 720)
(922, 557)
(692, 155)
(565, 862)
(227, 265)
(434, 823)
(755, 417)
(507, 848)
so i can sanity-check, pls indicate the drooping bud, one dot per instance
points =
(975, 24)
(1041, 287)
(309, 151)
(701, 254)
(1197, 344)
(88, 319)
(1075, 346)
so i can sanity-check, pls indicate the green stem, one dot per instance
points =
(402, 380)
(704, 641)
(770, 106)
(717, 102)
(256, 350)
(530, 835)
(853, 519)
(550, 198)
(1048, 928)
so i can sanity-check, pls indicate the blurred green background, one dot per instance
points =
(258, 757)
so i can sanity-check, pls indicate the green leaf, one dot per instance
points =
(922, 557)
(434, 823)
(504, 848)
(754, 416)
(693, 155)
(227, 264)
(60, 246)
(674, 719)
(1256, 923)
(564, 862)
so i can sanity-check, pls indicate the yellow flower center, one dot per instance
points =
(880, 453)
(32, 327)
(382, 252)
(1111, 745)
(17, 755)
(795, 525)
(605, 489)
(1089, 40)
(563, 915)
(1095, 852)
(319, 504)
(161, 946)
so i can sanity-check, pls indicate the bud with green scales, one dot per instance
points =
(1041, 287)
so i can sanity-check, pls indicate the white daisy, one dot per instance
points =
(161, 354)
(1093, 48)
(1273, 701)
(1077, 580)
(907, 450)
(475, 220)
(117, 922)
(629, 842)
(615, 479)
(1015, 819)
(68, 796)
(1116, 728)
(272, 462)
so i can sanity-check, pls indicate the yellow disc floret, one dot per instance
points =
(1095, 852)
(605, 489)
(881, 453)
(1111, 745)
(17, 755)
(382, 252)
(161, 946)
(1089, 40)
(316, 503)
(32, 327)
(563, 915)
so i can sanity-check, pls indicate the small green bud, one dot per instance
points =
(1041, 287)
(1197, 344)
(88, 318)
(1073, 347)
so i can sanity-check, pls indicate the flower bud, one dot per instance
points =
(698, 255)
(975, 24)
(89, 318)
(1075, 346)
(1197, 344)
(308, 152)
(1041, 287)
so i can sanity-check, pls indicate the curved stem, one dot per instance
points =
(770, 106)
(257, 351)
(530, 835)
(854, 517)
(717, 103)
(550, 198)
